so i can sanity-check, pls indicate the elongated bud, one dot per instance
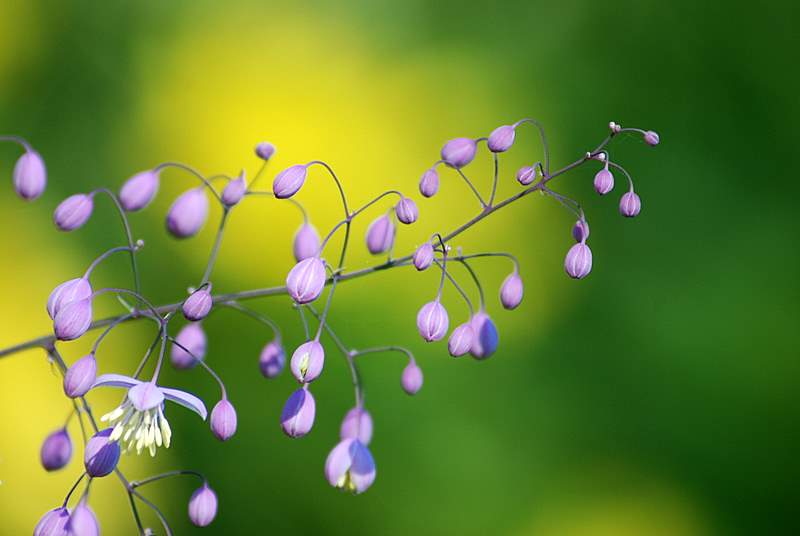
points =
(423, 257)
(357, 424)
(193, 338)
(73, 320)
(188, 213)
(380, 235)
(203, 506)
(350, 466)
(30, 175)
(306, 280)
(80, 377)
(289, 181)
(73, 212)
(306, 242)
(432, 321)
(101, 455)
(82, 521)
(460, 341)
(406, 210)
(651, 138)
(511, 291)
(501, 139)
(459, 152)
(429, 183)
(53, 523)
(486, 339)
(139, 190)
(630, 205)
(297, 416)
(578, 262)
(526, 175)
(197, 306)
(234, 191)
(68, 292)
(603, 181)
(580, 231)
(56, 450)
(272, 359)
(411, 379)
(223, 420)
(307, 361)
(265, 150)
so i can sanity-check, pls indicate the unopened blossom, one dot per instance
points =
(223, 420)
(67, 292)
(432, 321)
(459, 152)
(297, 417)
(203, 506)
(423, 256)
(380, 235)
(603, 181)
(651, 138)
(411, 379)
(460, 341)
(73, 320)
(306, 280)
(289, 181)
(306, 242)
(188, 213)
(357, 424)
(580, 231)
(578, 262)
(486, 339)
(53, 523)
(526, 175)
(265, 150)
(101, 454)
(198, 304)
(511, 291)
(429, 183)
(307, 361)
(139, 190)
(30, 175)
(56, 450)
(80, 377)
(630, 205)
(350, 466)
(406, 210)
(82, 521)
(501, 139)
(272, 359)
(193, 338)
(234, 191)
(73, 212)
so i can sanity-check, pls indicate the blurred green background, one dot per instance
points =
(656, 397)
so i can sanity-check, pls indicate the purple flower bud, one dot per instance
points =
(357, 424)
(68, 292)
(406, 210)
(56, 450)
(486, 339)
(80, 376)
(526, 175)
(501, 139)
(101, 455)
(511, 291)
(380, 235)
(578, 262)
(30, 175)
(272, 359)
(423, 257)
(297, 416)
(651, 138)
(234, 191)
(73, 212)
(53, 523)
(306, 242)
(580, 231)
(265, 150)
(289, 181)
(411, 379)
(306, 280)
(307, 361)
(460, 340)
(193, 338)
(73, 320)
(432, 321)
(139, 190)
(223, 420)
(630, 205)
(429, 183)
(197, 306)
(188, 213)
(203, 506)
(82, 521)
(603, 181)
(350, 466)
(459, 152)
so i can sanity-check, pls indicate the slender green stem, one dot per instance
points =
(212, 259)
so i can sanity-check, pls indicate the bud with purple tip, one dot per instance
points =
(630, 205)
(139, 190)
(459, 152)
(432, 321)
(357, 424)
(306, 280)
(272, 359)
(73, 212)
(203, 506)
(307, 361)
(429, 183)
(197, 306)
(423, 257)
(526, 175)
(234, 191)
(265, 150)
(306, 242)
(53, 523)
(486, 339)
(193, 338)
(651, 138)
(80, 377)
(380, 235)
(580, 231)
(460, 341)
(188, 213)
(411, 379)
(82, 521)
(101, 455)
(73, 320)
(350, 466)
(30, 175)
(289, 181)
(68, 292)
(56, 450)
(406, 210)
(578, 262)
(223, 420)
(501, 139)
(603, 181)
(297, 416)
(511, 291)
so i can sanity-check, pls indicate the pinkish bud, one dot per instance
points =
(380, 235)
(101, 455)
(272, 359)
(30, 175)
(459, 152)
(265, 150)
(486, 339)
(306, 280)
(429, 183)
(511, 291)
(53, 523)
(234, 191)
(56, 450)
(630, 205)
(306, 242)
(411, 380)
(651, 138)
(357, 424)
(80, 377)
(203, 506)
(526, 175)
(73, 212)
(307, 361)
(432, 321)
(460, 340)
(197, 306)
(67, 292)
(578, 262)
(223, 420)
(501, 139)
(289, 181)
(423, 257)
(406, 210)
(297, 417)
(580, 231)
(73, 320)
(193, 338)
(139, 190)
(603, 181)
(188, 213)
(82, 521)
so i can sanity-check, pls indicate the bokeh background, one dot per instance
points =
(656, 397)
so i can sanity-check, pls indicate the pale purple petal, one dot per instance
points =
(188, 401)
(115, 380)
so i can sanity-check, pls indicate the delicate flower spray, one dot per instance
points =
(139, 424)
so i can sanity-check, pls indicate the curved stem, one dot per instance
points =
(128, 235)
(476, 280)
(202, 364)
(369, 204)
(212, 259)
(494, 181)
(290, 199)
(623, 170)
(325, 310)
(194, 172)
(111, 326)
(18, 140)
(459, 289)
(155, 509)
(147, 355)
(543, 137)
(168, 474)
(336, 180)
(72, 490)
(491, 254)
(103, 257)
(472, 187)
(255, 315)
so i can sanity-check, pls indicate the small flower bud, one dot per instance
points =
(459, 152)
(423, 257)
(526, 175)
(80, 377)
(406, 210)
(306, 280)
(68, 292)
(580, 231)
(501, 139)
(30, 175)
(289, 181)
(603, 181)
(511, 291)
(193, 338)
(613, 127)
(56, 450)
(73, 320)
(460, 340)
(578, 262)
(297, 416)
(486, 339)
(307, 361)
(53, 523)
(350, 466)
(432, 321)
(139, 190)
(357, 424)
(651, 138)
(630, 205)
(306, 242)
(203, 506)
(234, 191)
(265, 150)
(223, 420)
(82, 521)
(272, 359)
(188, 213)
(197, 306)
(411, 379)
(73, 212)
(101, 455)
(380, 235)
(429, 183)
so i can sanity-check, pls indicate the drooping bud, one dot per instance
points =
(82, 521)
(578, 262)
(429, 183)
(297, 416)
(203, 506)
(630, 205)
(30, 175)
(53, 523)
(234, 191)
(68, 292)
(580, 231)
(350, 466)
(380, 235)
(511, 291)
(460, 340)
(406, 210)
(223, 420)
(272, 359)
(423, 257)
(80, 377)
(459, 152)
(73, 320)
(101, 455)
(603, 181)
(265, 150)
(432, 321)
(289, 181)
(501, 139)
(193, 338)
(486, 339)
(188, 213)
(306, 280)
(651, 138)
(307, 361)
(56, 450)
(411, 379)
(139, 190)
(73, 212)
(614, 127)
(357, 424)
(197, 306)
(306, 242)
(526, 175)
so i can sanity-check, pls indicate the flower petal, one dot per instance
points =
(115, 380)
(186, 400)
